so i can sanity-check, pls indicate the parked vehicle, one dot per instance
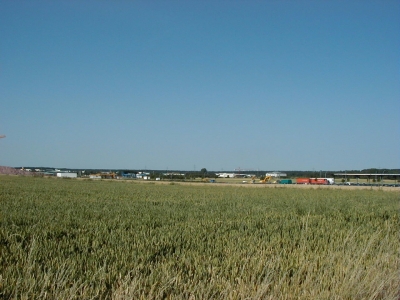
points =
(285, 181)
(303, 180)
(321, 181)
(267, 179)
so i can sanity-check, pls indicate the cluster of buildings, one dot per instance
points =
(109, 175)
(238, 175)
(65, 173)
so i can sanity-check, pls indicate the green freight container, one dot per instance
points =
(285, 181)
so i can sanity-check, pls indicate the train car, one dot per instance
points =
(315, 181)
(319, 181)
(285, 181)
(303, 181)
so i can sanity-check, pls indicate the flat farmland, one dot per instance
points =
(85, 239)
(247, 183)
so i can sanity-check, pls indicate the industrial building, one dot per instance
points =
(276, 174)
(226, 175)
(67, 175)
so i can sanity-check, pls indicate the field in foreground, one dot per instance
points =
(71, 239)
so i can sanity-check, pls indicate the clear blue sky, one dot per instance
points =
(269, 85)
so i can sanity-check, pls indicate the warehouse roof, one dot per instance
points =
(366, 174)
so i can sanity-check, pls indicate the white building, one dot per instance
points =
(143, 175)
(226, 175)
(67, 175)
(276, 174)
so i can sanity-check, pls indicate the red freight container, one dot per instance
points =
(303, 180)
(318, 181)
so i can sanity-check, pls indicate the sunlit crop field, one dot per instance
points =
(77, 239)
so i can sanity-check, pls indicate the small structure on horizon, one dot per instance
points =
(67, 175)
(276, 174)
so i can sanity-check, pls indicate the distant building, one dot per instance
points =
(143, 175)
(67, 175)
(226, 175)
(129, 175)
(276, 174)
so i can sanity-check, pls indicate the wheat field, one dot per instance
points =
(85, 239)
